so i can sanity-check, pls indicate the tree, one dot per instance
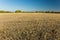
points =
(18, 11)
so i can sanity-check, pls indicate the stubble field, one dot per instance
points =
(29, 26)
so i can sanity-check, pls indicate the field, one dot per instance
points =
(29, 26)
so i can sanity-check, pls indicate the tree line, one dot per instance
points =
(19, 11)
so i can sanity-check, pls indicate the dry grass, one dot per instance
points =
(32, 26)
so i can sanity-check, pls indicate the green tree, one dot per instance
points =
(18, 11)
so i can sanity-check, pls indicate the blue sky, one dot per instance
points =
(30, 5)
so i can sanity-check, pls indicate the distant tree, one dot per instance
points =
(2, 11)
(18, 11)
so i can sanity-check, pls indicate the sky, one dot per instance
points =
(30, 5)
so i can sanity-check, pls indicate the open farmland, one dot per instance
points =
(29, 26)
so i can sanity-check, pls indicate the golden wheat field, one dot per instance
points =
(29, 26)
